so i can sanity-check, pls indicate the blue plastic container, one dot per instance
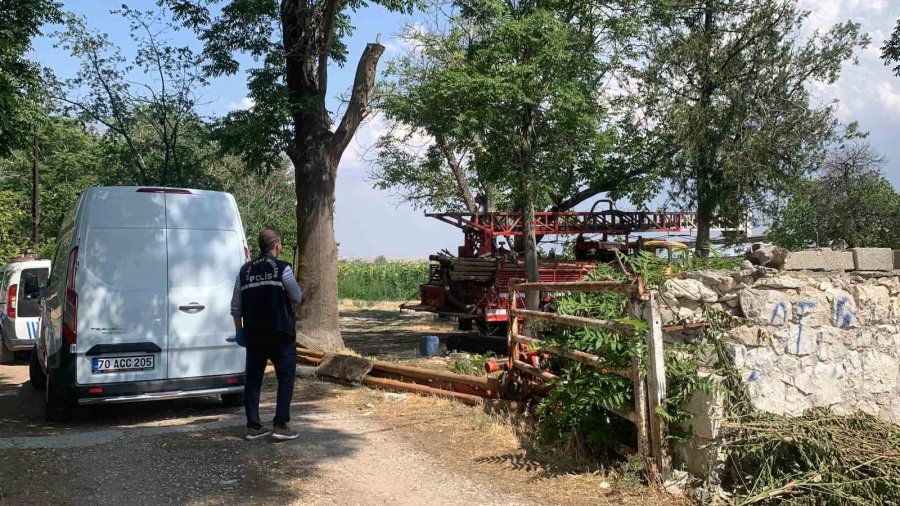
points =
(429, 346)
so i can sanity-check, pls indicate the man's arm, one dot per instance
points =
(236, 303)
(291, 286)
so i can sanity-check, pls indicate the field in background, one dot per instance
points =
(380, 280)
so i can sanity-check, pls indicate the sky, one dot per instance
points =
(371, 222)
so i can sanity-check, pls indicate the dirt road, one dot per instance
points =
(356, 446)
(190, 452)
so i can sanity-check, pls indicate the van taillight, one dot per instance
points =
(246, 254)
(11, 301)
(176, 191)
(70, 308)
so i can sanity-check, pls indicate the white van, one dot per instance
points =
(20, 282)
(137, 306)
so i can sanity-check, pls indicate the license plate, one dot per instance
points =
(122, 364)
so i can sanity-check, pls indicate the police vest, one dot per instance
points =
(265, 307)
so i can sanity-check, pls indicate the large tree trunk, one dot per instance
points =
(525, 153)
(315, 153)
(318, 324)
(706, 199)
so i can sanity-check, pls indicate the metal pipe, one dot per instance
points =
(575, 321)
(422, 389)
(577, 286)
(419, 373)
(429, 374)
(544, 375)
(583, 357)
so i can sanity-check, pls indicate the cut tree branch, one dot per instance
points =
(359, 100)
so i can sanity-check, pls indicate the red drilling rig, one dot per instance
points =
(472, 285)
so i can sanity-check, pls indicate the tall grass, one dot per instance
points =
(381, 280)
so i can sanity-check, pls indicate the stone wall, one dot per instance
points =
(809, 339)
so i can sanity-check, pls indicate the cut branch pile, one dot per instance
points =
(817, 458)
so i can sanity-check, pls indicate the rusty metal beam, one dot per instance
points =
(419, 372)
(575, 321)
(580, 356)
(577, 286)
(430, 374)
(535, 371)
(421, 389)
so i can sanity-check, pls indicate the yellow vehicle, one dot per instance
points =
(673, 252)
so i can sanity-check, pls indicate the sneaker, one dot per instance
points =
(254, 434)
(284, 433)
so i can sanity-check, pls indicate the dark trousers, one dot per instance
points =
(282, 351)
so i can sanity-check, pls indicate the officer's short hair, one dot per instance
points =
(268, 238)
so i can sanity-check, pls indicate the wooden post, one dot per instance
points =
(640, 410)
(656, 384)
(512, 326)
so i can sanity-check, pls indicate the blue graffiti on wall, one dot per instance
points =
(843, 315)
(779, 314)
(803, 309)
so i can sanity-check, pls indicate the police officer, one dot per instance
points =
(264, 323)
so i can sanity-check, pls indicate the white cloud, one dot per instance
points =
(889, 98)
(243, 104)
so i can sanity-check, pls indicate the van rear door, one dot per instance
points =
(28, 313)
(205, 251)
(120, 282)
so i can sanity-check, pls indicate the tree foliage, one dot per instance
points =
(850, 202)
(486, 80)
(890, 52)
(153, 120)
(725, 108)
(293, 42)
(20, 83)
(74, 157)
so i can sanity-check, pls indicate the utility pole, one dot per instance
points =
(35, 204)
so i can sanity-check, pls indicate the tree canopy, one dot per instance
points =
(890, 52)
(725, 109)
(849, 202)
(20, 82)
(483, 76)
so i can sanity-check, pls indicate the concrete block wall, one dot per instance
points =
(856, 259)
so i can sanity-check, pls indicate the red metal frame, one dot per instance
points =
(481, 228)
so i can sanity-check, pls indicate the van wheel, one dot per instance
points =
(233, 400)
(7, 356)
(58, 408)
(35, 373)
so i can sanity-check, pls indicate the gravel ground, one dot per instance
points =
(191, 452)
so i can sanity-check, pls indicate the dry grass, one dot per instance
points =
(494, 447)
(488, 446)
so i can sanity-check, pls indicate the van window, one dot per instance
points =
(126, 258)
(30, 282)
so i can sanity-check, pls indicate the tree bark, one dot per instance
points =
(706, 199)
(35, 200)
(315, 153)
(525, 158)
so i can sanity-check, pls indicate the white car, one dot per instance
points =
(20, 283)
(138, 303)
